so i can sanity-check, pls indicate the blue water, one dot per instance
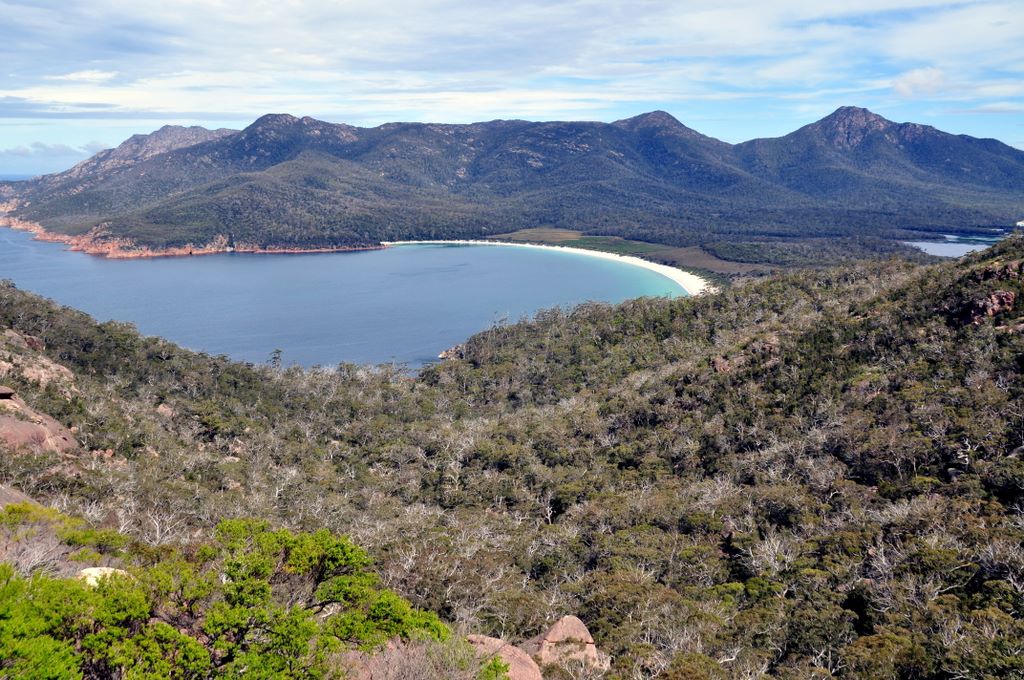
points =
(954, 246)
(403, 304)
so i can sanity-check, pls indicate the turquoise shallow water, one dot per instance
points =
(403, 304)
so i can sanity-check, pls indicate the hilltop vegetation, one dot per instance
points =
(814, 475)
(850, 185)
(250, 603)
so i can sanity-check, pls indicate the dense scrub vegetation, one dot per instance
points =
(806, 252)
(813, 475)
(251, 602)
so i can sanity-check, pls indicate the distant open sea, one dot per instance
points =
(14, 178)
(404, 304)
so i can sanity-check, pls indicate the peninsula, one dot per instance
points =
(94, 243)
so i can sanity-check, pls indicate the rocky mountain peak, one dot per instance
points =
(855, 115)
(167, 138)
(662, 123)
(652, 119)
(289, 133)
(141, 147)
(656, 119)
(848, 126)
(273, 120)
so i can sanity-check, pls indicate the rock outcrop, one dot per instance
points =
(567, 642)
(520, 665)
(93, 575)
(22, 428)
(20, 354)
(996, 303)
(23, 341)
(456, 352)
(9, 496)
(1006, 271)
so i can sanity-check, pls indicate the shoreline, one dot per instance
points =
(691, 284)
(122, 250)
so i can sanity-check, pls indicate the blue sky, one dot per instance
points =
(76, 77)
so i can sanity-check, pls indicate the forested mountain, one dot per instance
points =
(808, 476)
(286, 182)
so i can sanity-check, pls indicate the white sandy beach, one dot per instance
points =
(691, 283)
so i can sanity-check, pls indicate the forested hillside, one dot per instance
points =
(808, 476)
(852, 182)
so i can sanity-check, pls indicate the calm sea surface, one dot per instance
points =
(954, 246)
(403, 304)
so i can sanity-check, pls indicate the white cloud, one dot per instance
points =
(85, 76)
(366, 61)
(41, 150)
(976, 35)
(920, 81)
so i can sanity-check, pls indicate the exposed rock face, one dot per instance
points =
(20, 352)
(97, 241)
(848, 126)
(9, 496)
(22, 428)
(996, 303)
(138, 148)
(92, 575)
(400, 660)
(456, 352)
(23, 341)
(520, 665)
(566, 642)
(44, 372)
(1009, 271)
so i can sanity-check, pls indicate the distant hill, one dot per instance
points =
(287, 182)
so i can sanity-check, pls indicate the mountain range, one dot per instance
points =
(299, 183)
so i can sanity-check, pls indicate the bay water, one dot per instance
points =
(403, 304)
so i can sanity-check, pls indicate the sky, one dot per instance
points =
(79, 76)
